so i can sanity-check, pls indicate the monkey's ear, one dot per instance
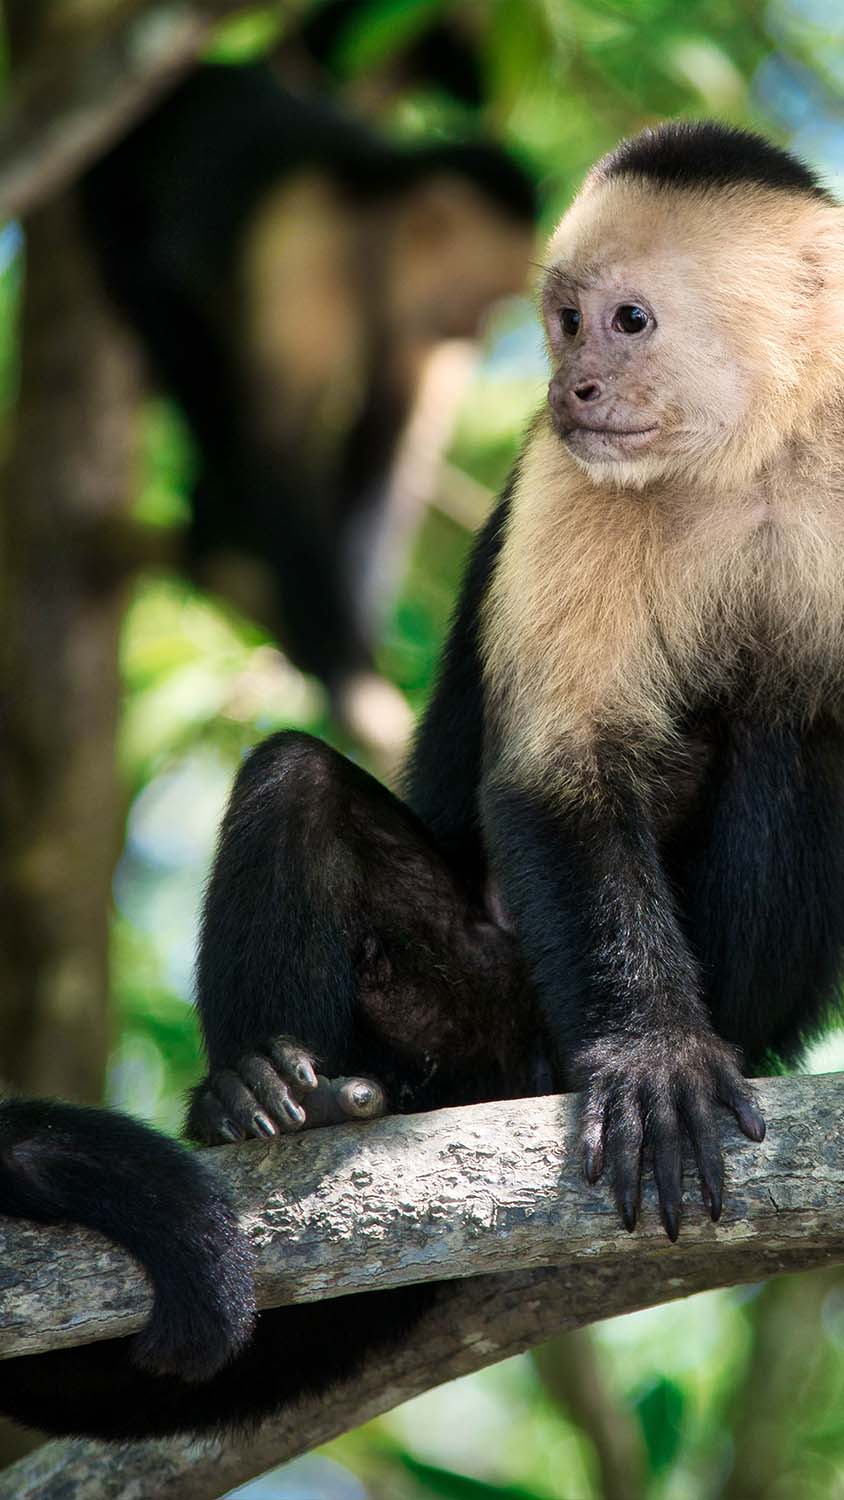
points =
(820, 287)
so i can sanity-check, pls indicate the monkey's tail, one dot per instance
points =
(60, 1163)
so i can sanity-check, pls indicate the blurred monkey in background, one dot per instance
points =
(289, 272)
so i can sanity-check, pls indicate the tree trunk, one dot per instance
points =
(67, 470)
(67, 473)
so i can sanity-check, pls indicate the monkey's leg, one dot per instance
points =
(762, 876)
(337, 941)
(330, 918)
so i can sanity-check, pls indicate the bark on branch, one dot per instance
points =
(88, 83)
(453, 1194)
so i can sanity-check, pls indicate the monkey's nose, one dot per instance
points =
(567, 400)
(588, 390)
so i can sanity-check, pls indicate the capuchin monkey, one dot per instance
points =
(619, 866)
(289, 271)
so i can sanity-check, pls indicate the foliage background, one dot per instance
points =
(728, 1394)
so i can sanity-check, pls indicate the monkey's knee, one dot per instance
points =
(290, 765)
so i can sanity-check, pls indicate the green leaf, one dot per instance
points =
(381, 30)
(660, 1409)
(244, 37)
(451, 1486)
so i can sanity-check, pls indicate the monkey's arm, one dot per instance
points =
(619, 988)
(443, 775)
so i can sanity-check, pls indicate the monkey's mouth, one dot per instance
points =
(604, 439)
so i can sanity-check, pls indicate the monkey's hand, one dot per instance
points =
(275, 1090)
(642, 1096)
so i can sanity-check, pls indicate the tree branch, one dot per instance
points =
(454, 1193)
(88, 84)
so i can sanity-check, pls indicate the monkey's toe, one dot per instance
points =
(637, 1107)
(275, 1092)
(339, 1099)
(237, 1104)
(295, 1064)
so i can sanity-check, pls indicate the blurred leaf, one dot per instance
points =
(244, 37)
(381, 29)
(451, 1486)
(167, 465)
(660, 1410)
(11, 267)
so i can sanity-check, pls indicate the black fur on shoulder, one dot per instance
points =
(61, 1164)
(705, 153)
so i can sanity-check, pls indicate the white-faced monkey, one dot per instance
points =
(288, 270)
(620, 865)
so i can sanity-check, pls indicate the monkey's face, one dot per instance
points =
(648, 376)
(687, 330)
(602, 403)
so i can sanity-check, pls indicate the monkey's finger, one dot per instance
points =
(664, 1129)
(593, 1135)
(273, 1096)
(738, 1097)
(239, 1105)
(624, 1154)
(339, 1099)
(294, 1063)
(208, 1122)
(700, 1127)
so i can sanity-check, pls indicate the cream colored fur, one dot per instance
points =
(302, 316)
(321, 286)
(625, 590)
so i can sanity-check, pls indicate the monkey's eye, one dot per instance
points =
(630, 319)
(570, 321)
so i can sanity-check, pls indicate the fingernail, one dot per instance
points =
(263, 1123)
(671, 1223)
(306, 1075)
(294, 1111)
(229, 1132)
(752, 1124)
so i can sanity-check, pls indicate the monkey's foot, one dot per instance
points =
(641, 1098)
(277, 1090)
